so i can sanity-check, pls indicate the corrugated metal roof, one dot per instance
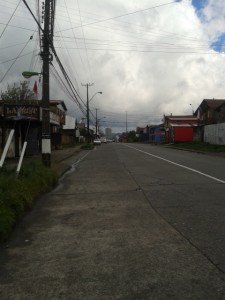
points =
(183, 125)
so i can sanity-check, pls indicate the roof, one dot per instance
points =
(33, 102)
(183, 118)
(183, 125)
(212, 103)
(57, 102)
(180, 116)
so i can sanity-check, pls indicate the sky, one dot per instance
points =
(147, 57)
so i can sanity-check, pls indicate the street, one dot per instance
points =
(129, 221)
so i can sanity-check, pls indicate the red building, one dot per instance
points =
(180, 128)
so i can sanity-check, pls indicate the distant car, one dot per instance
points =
(103, 140)
(97, 142)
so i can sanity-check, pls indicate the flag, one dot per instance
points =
(35, 87)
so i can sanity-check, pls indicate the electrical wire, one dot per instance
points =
(10, 19)
(77, 98)
(211, 52)
(18, 56)
(86, 52)
(19, 27)
(123, 15)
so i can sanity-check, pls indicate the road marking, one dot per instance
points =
(179, 165)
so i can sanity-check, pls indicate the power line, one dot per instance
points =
(38, 24)
(145, 51)
(15, 60)
(123, 15)
(88, 61)
(10, 19)
(14, 45)
(19, 27)
(3, 62)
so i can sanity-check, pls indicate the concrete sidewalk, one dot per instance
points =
(96, 236)
(62, 159)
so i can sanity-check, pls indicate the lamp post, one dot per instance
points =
(98, 123)
(192, 109)
(88, 111)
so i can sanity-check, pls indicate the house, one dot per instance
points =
(180, 128)
(157, 134)
(68, 135)
(211, 116)
(25, 117)
(211, 111)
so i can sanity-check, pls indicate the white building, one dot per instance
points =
(108, 133)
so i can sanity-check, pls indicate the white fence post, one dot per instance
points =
(6, 147)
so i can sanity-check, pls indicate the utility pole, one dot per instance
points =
(96, 123)
(88, 132)
(126, 122)
(46, 57)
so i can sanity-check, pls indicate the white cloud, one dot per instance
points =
(148, 63)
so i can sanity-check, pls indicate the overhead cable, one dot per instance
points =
(10, 19)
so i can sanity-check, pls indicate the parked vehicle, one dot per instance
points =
(103, 140)
(97, 142)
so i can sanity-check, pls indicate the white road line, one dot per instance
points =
(182, 166)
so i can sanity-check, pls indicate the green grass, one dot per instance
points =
(17, 193)
(199, 146)
(87, 146)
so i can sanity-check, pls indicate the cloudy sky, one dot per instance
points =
(148, 57)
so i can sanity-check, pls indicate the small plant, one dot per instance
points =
(18, 192)
(87, 146)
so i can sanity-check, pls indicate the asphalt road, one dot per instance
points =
(127, 222)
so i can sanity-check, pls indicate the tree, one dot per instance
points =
(132, 138)
(18, 91)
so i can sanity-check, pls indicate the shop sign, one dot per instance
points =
(21, 111)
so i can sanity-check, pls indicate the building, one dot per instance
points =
(108, 133)
(25, 117)
(68, 133)
(181, 128)
(211, 116)
(211, 111)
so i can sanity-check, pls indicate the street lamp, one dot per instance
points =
(95, 95)
(192, 109)
(29, 74)
(98, 125)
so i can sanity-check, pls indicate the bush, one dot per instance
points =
(18, 192)
(87, 147)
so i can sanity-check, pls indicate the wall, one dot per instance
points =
(183, 134)
(215, 134)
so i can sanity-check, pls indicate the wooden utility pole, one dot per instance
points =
(88, 130)
(96, 123)
(126, 122)
(46, 57)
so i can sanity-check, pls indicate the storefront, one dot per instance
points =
(25, 118)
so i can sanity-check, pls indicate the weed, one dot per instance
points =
(18, 192)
